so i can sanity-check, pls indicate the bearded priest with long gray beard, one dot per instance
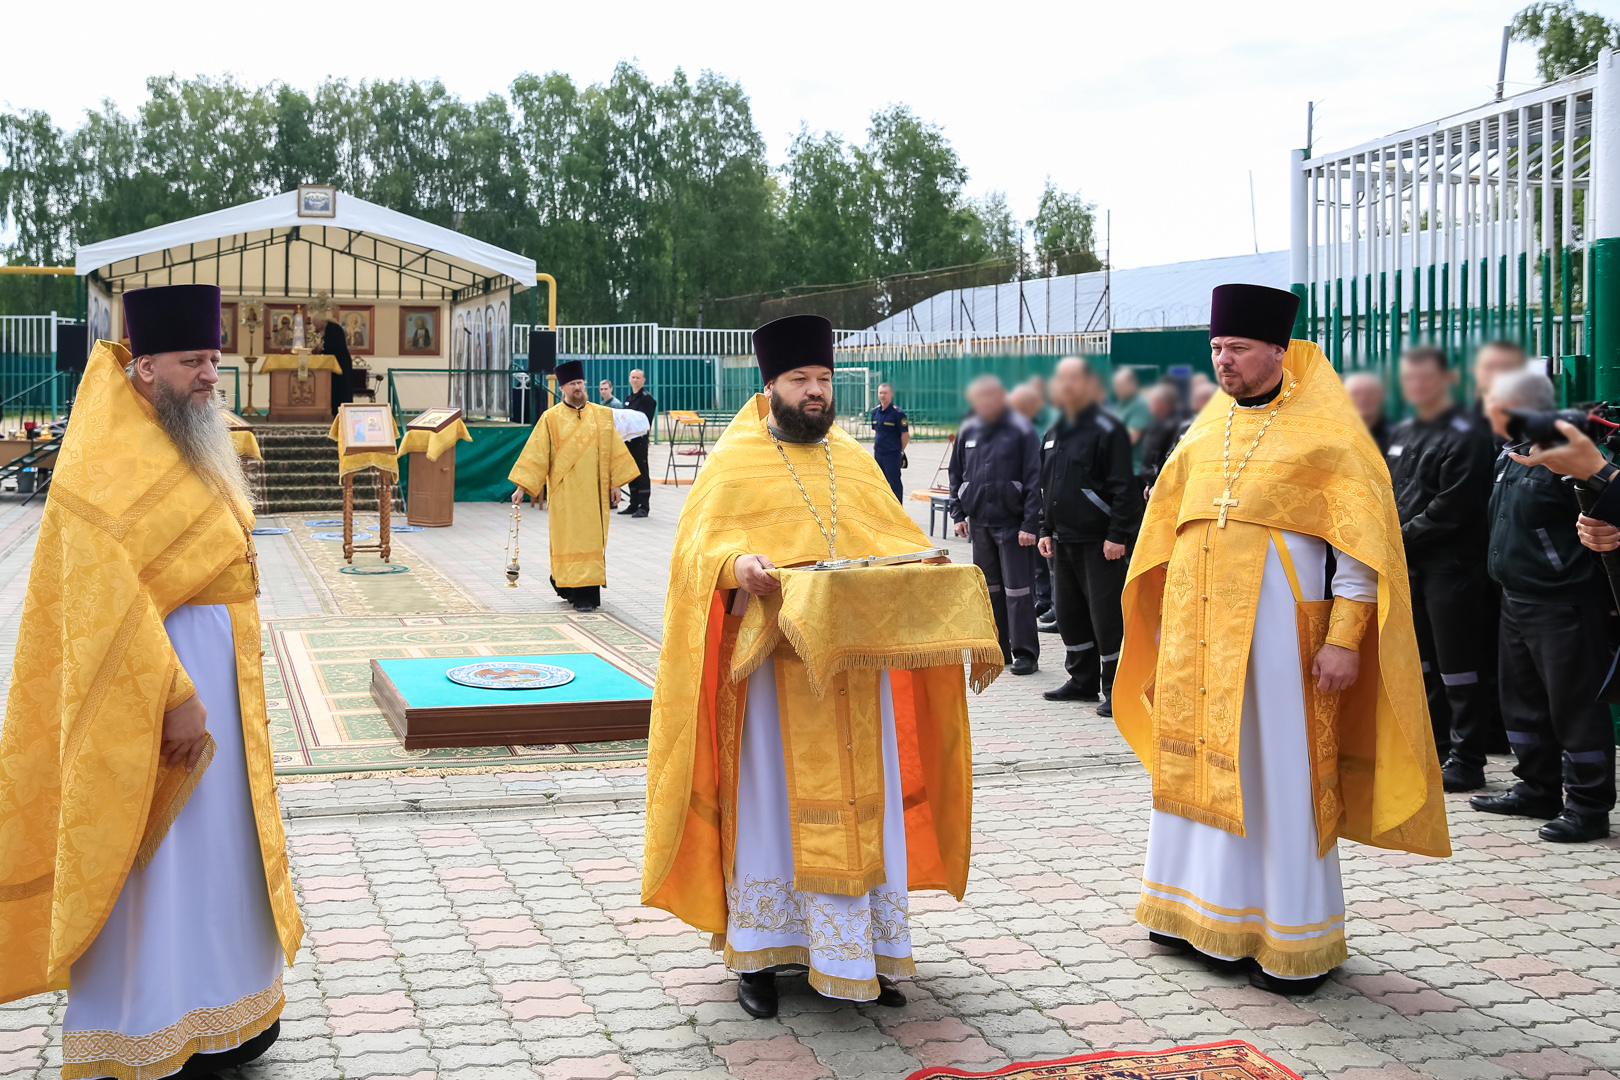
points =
(142, 862)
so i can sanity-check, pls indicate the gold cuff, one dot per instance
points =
(1348, 623)
(181, 690)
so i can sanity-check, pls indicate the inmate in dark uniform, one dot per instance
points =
(1441, 471)
(888, 425)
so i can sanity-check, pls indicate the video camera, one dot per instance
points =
(1600, 423)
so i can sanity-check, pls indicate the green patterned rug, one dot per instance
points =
(318, 676)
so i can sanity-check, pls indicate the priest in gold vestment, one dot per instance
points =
(576, 457)
(142, 863)
(809, 762)
(1269, 677)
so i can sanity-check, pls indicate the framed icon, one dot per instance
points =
(420, 331)
(279, 323)
(365, 429)
(227, 326)
(434, 420)
(317, 200)
(359, 325)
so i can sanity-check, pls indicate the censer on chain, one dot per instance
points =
(512, 548)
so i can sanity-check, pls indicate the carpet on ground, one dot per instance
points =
(318, 685)
(1230, 1060)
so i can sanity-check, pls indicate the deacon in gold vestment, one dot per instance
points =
(1277, 705)
(142, 863)
(809, 760)
(576, 457)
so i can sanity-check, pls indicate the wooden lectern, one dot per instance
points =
(308, 398)
(365, 435)
(433, 483)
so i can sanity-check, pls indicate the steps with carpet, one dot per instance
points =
(301, 472)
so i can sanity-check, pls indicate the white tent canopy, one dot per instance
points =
(266, 249)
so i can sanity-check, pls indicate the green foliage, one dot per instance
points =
(1569, 39)
(1065, 231)
(647, 201)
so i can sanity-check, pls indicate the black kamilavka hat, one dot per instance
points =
(1253, 311)
(570, 371)
(794, 341)
(172, 318)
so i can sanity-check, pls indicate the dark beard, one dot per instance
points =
(795, 425)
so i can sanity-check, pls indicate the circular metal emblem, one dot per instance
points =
(268, 531)
(404, 528)
(370, 569)
(507, 675)
(323, 523)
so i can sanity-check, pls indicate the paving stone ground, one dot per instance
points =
(486, 925)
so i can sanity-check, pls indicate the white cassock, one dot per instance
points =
(189, 959)
(845, 941)
(1270, 880)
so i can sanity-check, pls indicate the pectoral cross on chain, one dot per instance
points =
(1225, 502)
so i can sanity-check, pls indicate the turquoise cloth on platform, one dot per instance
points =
(423, 684)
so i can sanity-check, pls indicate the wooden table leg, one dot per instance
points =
(348, 518)
(385, 507)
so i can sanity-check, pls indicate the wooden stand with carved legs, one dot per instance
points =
(385, 508)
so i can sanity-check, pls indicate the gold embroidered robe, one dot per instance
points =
(744, 501)
(129, 533)
(576, 457)
(1189, 606)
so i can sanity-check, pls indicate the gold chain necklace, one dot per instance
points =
(831, 536)
(1226, 502)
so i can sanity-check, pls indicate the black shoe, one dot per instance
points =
(1024, 664)
(1514, 803)
(1106, 708)
(1047, 625)
(889, 996)
(756, 993)
(1574, 827)
(584, 609)
(639, 514)
(1458, 776)
(1286, 987)
(1070, 692)
(628, 510)
(1180, 945)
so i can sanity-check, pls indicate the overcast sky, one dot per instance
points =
(1157, 112)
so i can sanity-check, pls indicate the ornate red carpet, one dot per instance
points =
(1232, 1060)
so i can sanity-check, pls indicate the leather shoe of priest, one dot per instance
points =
(1069, 691)
(1513, 802)
(1574, 827)
(1025, 664)
(756, 993)
(889, 996)
(1264, 980)
(1457, 776)
(585, 609)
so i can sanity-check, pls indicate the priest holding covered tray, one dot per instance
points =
(809, 762)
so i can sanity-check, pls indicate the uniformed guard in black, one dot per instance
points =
(1440, 464)
(641, 486)
(890, 433)
(1554, 646)
(1092, 503)
(995, 476)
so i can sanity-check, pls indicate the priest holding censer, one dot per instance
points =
(1269, 677)
(809, 761)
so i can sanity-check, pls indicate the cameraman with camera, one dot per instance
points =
(1555, 609)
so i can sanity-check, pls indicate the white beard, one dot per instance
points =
(203, 439)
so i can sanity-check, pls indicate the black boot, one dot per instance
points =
(1457, 775)
(1070, 691)
(207, 1066)
(1264, 980)
(1106, 709)
(889, 996)
(1514, 802)
(1024, 664)
(629, 508)
(1574, 827)
(756, 993)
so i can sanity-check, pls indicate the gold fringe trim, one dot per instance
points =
(111, 1046)
(833, 986)
(158, 830)
(840, 886)
(1288, 959)
(1197, 813)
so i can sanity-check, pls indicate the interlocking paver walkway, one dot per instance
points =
(487, 926)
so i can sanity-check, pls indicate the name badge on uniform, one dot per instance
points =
(1395, 451)
(1049, 444)
(971, 443)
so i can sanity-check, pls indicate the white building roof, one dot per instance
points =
(1146, 297)
(266, 249)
